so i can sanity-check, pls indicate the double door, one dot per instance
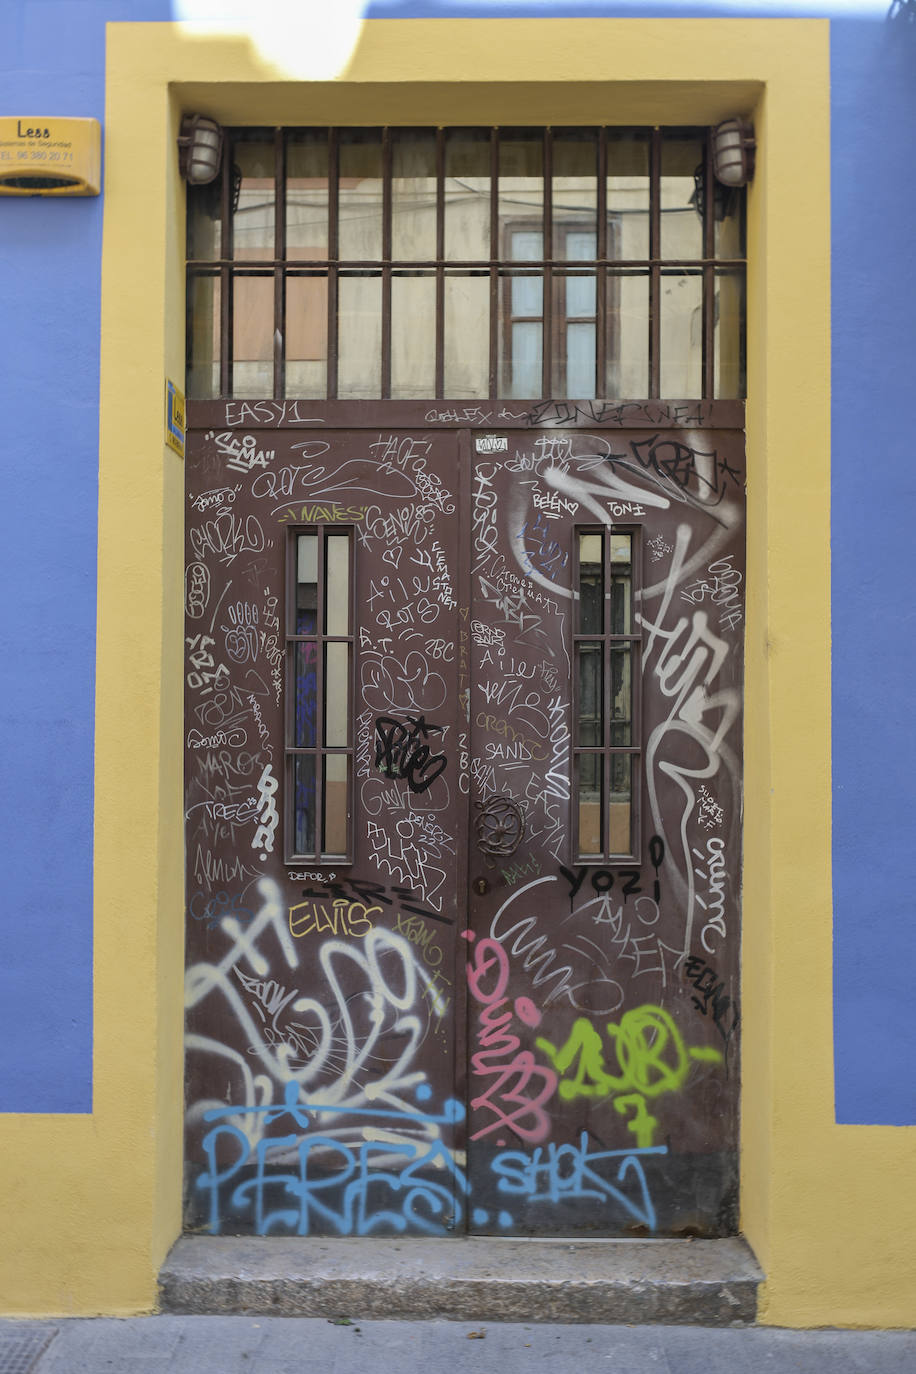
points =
(463, 802)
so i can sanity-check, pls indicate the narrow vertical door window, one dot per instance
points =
(606, 750)
(319, 752)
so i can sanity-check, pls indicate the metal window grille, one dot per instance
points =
(273, 315)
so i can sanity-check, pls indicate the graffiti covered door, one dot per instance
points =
(325, 865)
(605, 714)
(463, 822)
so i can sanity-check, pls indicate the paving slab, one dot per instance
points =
(309, 1345)
(708, 1282)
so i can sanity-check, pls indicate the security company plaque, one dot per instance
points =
(47, 156)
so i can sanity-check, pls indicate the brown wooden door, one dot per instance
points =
(481, 974)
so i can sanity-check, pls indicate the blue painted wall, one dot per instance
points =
(873, 72)
(52, 62)
(49, 286)
(52, 55)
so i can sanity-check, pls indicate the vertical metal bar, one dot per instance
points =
(636, 583)
(636, 805)
(333, 258)
(574, 704)
(655, 240)
(190, 319)
(349, 852)
(279, 340)
(226, 200)
(320, 671)
(708, 359)
(607, 625)
(290, 549)
(601, 199)
(386, 264)
(440, 270)
(547, 387)
(293, 651)
(289, 802)
(225, 296)
(601, 313)
(280, 136)
(351, 715)
(742, 334)
(494, 259)
(226, 331)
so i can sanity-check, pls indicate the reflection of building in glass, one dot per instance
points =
(466, 263)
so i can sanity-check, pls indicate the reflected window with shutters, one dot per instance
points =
(319, 655)
(566, 304)
(606, 748)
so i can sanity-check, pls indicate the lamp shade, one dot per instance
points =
(733, 152)
(200, 149)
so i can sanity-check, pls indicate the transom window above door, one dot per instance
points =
(466, 263)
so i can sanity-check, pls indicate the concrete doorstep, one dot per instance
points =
(688, 1282)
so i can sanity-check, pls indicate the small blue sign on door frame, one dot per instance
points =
(174, 418)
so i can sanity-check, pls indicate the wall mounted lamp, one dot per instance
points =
(733, 146)
(200, 149)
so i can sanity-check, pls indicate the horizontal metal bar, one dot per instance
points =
(512, 266)
(339, 750)
(607, 750)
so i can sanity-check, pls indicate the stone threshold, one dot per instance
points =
(476, 1279)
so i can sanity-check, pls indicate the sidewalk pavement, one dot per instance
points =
(301, 1345)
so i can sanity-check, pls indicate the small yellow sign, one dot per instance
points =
(174, 418)
(47, 156)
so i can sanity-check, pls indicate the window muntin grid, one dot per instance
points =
(314, 256)
(606, 736)
(319, 697)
